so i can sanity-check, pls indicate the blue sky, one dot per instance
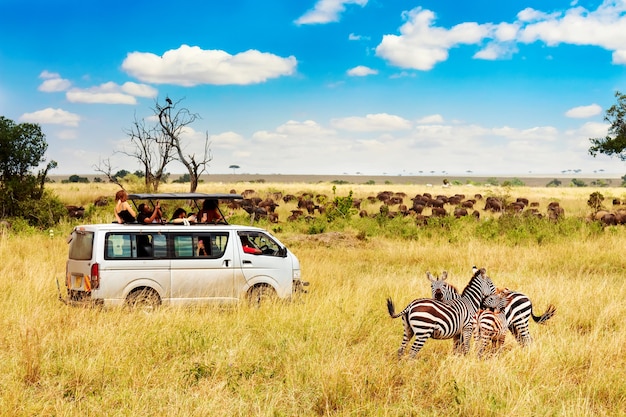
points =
(376, 87)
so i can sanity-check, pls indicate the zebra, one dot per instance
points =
(518, 311)
(427, 318)
(490, 326)
(442, 290)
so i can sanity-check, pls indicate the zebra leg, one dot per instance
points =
(482, 345)
(521, 333)
(466, 336)
(498, 342)
(456, 344)
(418, 343)
(408, 334)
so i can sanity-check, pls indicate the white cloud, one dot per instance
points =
(227, 140)
(591, 130)
(111, 93)
(582, 112)
(361, 71)
(420, 45)
(264, 135)
(189, 66)
(619, 57)
(604, 27)
(46, 75)
(532, 15)
(306, 128)
(53, 82)
(371, 123)
(432, 119)
(54, 85)
(139, 90)
(326, 11)
(542, 133)
(505, 32)
(51, 116)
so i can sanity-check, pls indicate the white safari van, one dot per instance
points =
(177, 264)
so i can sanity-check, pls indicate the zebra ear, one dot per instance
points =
(444, 275)
(430, 277)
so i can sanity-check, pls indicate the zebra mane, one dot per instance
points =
(453, 288)
(479, 274)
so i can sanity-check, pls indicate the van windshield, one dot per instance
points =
(81, 246)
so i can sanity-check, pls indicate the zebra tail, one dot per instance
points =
(545, 316)
(392, 309)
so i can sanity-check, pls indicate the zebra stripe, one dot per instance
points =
(518, 311)
(426, 318)
(490, 326)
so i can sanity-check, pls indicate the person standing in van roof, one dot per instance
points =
(124, 213)
(209, 212)
(149, 216)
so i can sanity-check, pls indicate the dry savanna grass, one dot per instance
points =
(333, 350)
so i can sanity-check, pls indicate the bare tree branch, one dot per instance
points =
(153, 150)
(105, 168)
(172, 123)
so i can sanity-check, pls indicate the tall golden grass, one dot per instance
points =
(333, 350)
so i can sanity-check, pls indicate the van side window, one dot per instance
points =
(118, 246)
(219, 241)
(211, 245)
(259, 243)
(183, 246)
(159, 244)
(135, 245)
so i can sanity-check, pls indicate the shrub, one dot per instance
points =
(595, 201)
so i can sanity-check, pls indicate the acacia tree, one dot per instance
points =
(22, 149)
(614, 143)
(172, 124)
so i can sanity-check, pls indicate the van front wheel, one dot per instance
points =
(261, 294)
(145, 299)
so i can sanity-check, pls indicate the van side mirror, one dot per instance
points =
(282, 252)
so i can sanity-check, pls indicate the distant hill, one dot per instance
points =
(530, 181)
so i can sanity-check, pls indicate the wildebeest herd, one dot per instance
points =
(480, 310)
(392, 204)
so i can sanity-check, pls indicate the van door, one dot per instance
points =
(263, 260)
(132, 259)
(202, 267)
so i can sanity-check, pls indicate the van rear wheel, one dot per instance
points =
(261, 294)
(145, 299)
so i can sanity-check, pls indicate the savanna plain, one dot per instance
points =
(332, 351)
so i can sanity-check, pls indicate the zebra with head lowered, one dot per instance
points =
(489, 326)
(426, 318)
(517, 311)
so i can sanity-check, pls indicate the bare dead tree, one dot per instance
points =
(105, 168)
(172, 123)
(153, 150)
